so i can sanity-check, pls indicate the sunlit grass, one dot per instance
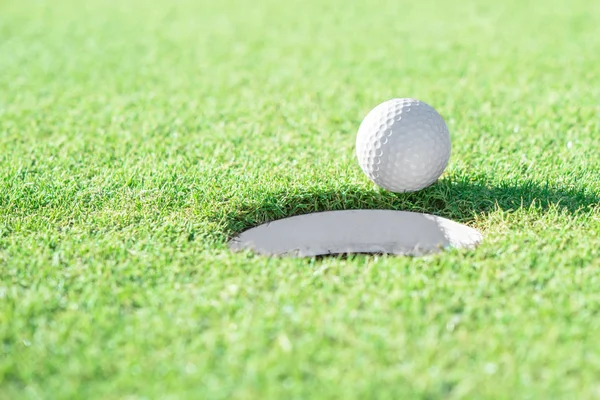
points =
(136, 138)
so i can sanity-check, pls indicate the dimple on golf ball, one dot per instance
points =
(403, 145)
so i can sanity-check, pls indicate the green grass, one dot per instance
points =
(136, 137)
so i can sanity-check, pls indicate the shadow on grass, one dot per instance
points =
(460, 201)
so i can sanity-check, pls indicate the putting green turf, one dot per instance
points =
(136, 137)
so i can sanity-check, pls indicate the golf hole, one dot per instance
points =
(356, 232)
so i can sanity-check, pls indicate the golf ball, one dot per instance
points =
(403, 145)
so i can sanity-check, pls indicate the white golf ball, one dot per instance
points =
(403, 145)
